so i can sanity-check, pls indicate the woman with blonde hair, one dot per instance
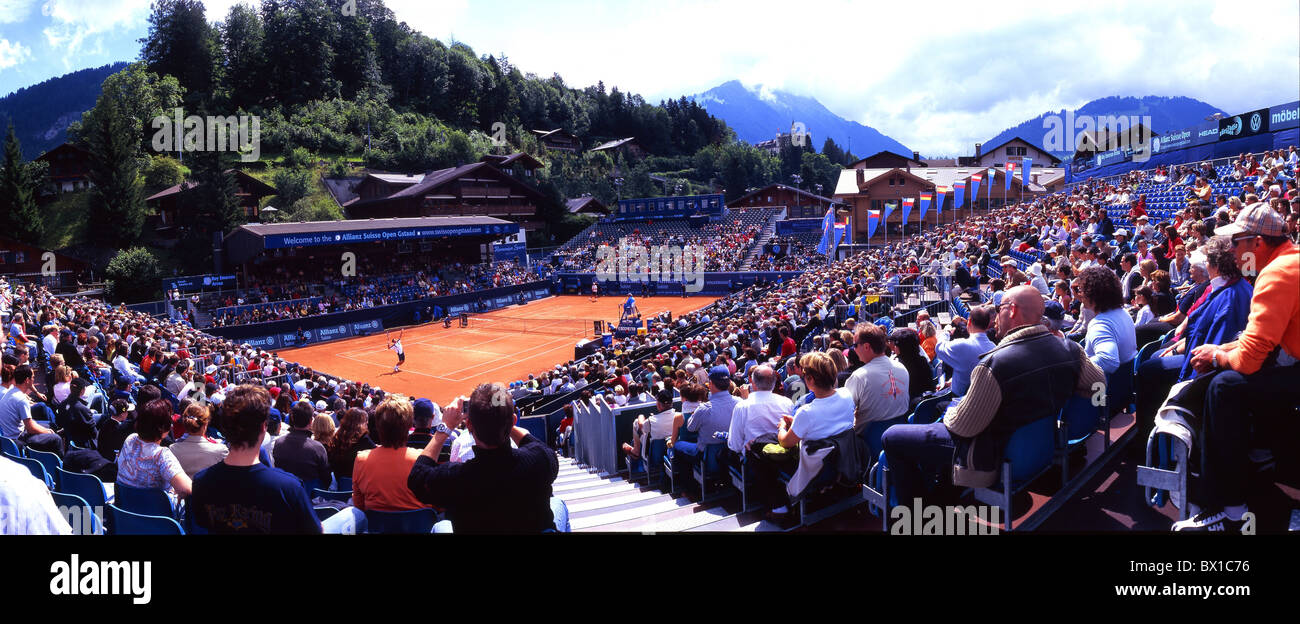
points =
(62, 381)
(322, 429)
(828, 414)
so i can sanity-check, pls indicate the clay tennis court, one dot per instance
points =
(503, 345)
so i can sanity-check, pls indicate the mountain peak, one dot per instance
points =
(758, 113)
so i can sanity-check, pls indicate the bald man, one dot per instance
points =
(1029, 376)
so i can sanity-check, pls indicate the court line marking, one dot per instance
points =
(541, 348)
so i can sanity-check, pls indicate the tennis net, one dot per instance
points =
(557, 326)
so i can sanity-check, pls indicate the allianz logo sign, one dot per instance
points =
(332, 331)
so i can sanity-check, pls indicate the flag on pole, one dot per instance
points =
(873, 220)
(840, 231)
(1024, 172)
(959, 199)
(975, 187)
(889, 209)
(1011, 173)
(940, 196)
(925, 205)
(828, 228)
(907, 208)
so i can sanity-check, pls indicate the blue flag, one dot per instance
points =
(959, 197)
(828, 228)
(1024, 171)
(925, 205)
(907, 208)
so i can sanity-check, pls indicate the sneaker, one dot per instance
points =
(1215, 520)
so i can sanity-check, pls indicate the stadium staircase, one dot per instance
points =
(609, 503)
(756, 250)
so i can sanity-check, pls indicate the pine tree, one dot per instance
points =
(18, 212)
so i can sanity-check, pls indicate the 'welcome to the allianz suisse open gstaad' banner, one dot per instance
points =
(276, 241)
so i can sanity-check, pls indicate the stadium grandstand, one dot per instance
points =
(1121, 332)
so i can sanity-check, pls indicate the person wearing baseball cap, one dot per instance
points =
(1261, 364)
(709, 419)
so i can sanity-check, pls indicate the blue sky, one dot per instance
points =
(937, 76)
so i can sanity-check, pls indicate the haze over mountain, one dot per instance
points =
(1166, 113)
(759, 114)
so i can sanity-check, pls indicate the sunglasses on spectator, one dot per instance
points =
(1242, 239)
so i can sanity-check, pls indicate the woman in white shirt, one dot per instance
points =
(194, 451)
(62, 381)
(830, 413)
(1142, 301)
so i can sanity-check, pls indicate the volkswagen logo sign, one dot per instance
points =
(1255, 122)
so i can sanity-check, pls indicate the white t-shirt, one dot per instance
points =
(15, 409)
(26, 507)
(824, 418)
(879, 389)
(397, 346)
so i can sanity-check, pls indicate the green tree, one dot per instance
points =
(18, 213)
(243, 69)
(180, 43)
(113, 133)
(298, 48)
(161, 172)
(291, 185)
(133, 276)
(211, 207)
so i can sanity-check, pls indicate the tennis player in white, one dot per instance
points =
(396, 345)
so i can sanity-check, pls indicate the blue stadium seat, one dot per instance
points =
(332, 495)
(1079, 420)
(709, 467)
(650, 467)
(80, 514)
(9, 446)
(35, 467)
(50, 461)
(87, 486)
(413, 522)
(1028, 455)
(142, 501)
(123, 522)
(325, 513)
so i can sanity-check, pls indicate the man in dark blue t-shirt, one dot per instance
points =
(241, 495)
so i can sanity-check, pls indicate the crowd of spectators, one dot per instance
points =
(1060, 301)
(366, 291)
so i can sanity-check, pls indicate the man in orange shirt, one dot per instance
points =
(1260, 375)
(379, 475)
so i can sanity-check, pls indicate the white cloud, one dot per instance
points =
(938, 77)
(439, 19)
(14, 11)
(77, 27)
(13, 53)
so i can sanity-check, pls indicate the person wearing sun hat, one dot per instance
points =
(1258, 374)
